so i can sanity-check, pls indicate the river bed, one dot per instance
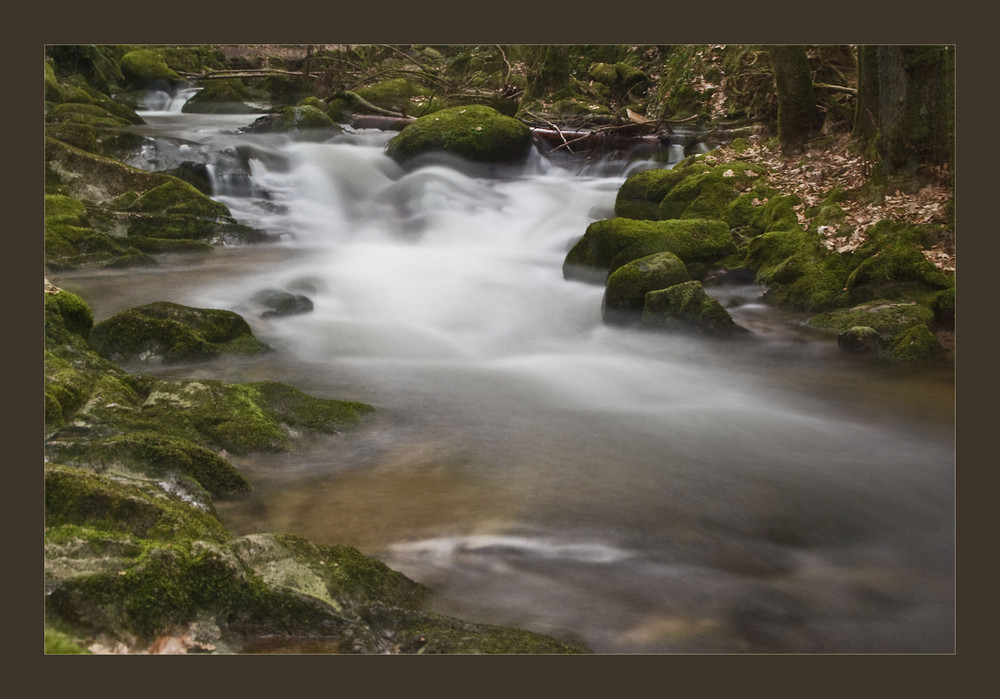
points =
(641, 492)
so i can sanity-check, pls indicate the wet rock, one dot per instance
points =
(282, 303)
(860, 340)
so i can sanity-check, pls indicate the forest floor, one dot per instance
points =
(811, 176)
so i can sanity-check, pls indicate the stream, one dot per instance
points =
(640, 492)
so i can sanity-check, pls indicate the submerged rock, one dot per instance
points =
(281, 303)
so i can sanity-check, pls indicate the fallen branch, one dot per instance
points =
(836, 88)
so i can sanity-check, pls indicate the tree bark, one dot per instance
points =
(798, 116)
(905, 111)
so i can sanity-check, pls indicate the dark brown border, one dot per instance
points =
(396, 21)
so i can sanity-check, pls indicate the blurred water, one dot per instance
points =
(642, 492)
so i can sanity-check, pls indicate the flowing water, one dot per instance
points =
(641, 492)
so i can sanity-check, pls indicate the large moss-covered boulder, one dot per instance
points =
(611, 243)
(687, 308)
(224, 97)
(399, 95)
(640, 195)
(169, 332)
(628, 285)
(475, 133)
(146, 69)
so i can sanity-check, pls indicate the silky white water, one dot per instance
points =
(640, 492)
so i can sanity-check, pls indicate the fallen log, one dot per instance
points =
(379, 121)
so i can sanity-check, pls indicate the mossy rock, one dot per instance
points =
(94, 125)
(611, 243)
(687, 308)
(895, 271)
(916, 343)
(66, 315)
(708, 193)
(860, 340)
(797, 271)
(224, 97)
(640, 195)
(627, 286)
(887, 318)
(170, 332)
(129, 561)
(302, 122)
(400, 95)
(146, 69)
(125, 506)
(620, 78)
(475, 133)
(124, 201)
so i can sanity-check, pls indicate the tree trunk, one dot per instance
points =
(798, 116)
(905, 112)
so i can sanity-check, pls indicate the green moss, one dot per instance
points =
(146, 68)
(58, 643)
(891, 264)
(610, 243)
(473, 132)
(640, 195)
(914, 344)
(627, 286)
(66, 312)
(124, 505)
(886, 317)
(398, 95)
(224, 97)
(170, 332)
(686, 307)
(707, 193)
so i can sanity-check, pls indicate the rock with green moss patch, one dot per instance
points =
(123, 201)
(169, 332)
(224, 97)
(475, 133)
(628, 285)
(888, 318)
(860, 340)
(146, 69)
(611, 243)
(687, 308)
(640, 195)
(132, 565)
(303, 122)
(914, 344)
(797, 271)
